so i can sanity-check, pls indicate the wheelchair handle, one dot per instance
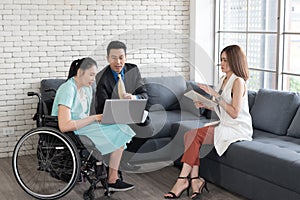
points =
(31, 93)
(39, 111)
(35, 94)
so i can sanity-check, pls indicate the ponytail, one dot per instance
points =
(75, 65)
(83, 63)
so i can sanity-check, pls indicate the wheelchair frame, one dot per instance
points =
(48, 163)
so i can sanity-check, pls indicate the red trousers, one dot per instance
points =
(193, 140)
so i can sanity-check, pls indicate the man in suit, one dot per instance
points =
(107, 88)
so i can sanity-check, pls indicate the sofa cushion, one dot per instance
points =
(187, 104)
(294, 129)
(273, 110)
(161, 121)
(270, 157)
(165, 91)
(251, 98)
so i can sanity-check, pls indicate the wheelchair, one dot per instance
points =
(47, 164)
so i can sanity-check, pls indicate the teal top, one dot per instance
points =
(68, 95)
(106, 138)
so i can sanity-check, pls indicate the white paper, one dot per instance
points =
(195, 96)
(145, 114)
(214, 123)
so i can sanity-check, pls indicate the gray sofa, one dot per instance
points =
(266, 168)
(167, 106)
(269, 166)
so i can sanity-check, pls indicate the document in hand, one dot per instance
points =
(195, 96)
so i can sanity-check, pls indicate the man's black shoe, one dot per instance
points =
(126, 166)
(119, 186)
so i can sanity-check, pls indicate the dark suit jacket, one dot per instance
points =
(107, 87)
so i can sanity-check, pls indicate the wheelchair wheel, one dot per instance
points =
(46, 163)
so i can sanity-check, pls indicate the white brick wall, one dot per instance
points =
(40, 38)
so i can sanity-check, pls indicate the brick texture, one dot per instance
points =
(40, 38)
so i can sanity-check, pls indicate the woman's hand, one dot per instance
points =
(208, 89)
(198, 104)
(98, 117)
(67, 124)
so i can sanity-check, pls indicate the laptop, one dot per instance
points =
(123, 111)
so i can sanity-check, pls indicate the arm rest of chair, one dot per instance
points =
(50, 121)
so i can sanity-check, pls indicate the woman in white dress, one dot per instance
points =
(235, 121)
(72, 106)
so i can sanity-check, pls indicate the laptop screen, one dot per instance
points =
(123, 111)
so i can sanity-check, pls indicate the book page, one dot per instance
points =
(195, 96)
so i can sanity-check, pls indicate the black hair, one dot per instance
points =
(84, 64)
(116, 45)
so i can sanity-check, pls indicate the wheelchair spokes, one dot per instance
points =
(51, 168)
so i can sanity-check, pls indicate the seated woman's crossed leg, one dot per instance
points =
(193, 140)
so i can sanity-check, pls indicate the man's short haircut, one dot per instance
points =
(116, 45)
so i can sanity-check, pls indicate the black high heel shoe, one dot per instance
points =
(174, 195)
(201, 188)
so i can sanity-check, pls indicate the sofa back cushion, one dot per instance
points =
(273, 110)
(164, 92)
(186, 104)
(251, 98)
(294, 129)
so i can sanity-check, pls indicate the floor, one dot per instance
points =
(150, 185)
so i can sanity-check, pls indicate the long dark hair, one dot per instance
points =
(83, 64)
(237, 61)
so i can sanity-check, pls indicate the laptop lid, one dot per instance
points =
(123, 111)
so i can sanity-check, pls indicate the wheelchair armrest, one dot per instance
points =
(50, 121)
(50, 117)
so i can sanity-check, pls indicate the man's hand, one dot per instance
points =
(129, 96)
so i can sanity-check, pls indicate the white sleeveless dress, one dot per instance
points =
(231, 130)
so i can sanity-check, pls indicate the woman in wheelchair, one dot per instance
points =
(72, 105)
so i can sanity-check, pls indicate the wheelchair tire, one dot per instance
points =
(46, 163)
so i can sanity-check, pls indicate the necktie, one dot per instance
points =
(121, 87)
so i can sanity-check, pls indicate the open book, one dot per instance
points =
(195, 96)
